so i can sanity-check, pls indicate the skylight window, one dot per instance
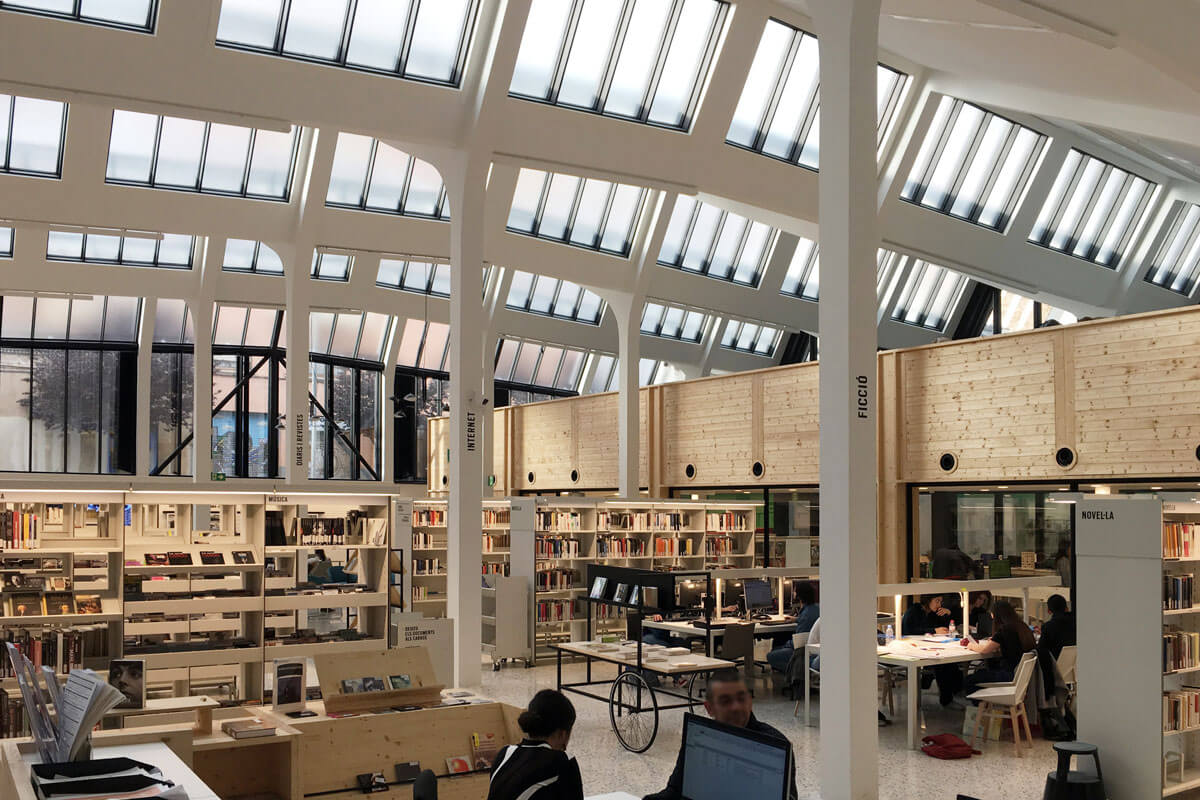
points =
(604, 374)
(707, 240)
(246, 255)
(349, 334)
(194, 156)
(748, 337)
(655, 373)
(132, 14)
(673, 322)
(424, 345)
(536, 364)
(240, 326)
(31, 136)
(803, 277)
(173, 251)
(641, 60)
(1177, 264)
(6, 242)
(78, 318)
(778, 113)
(173, 322)
(422, 277)
(1019, 313)
(552, 297)
(973, 165)
(1092, 210)
(584, 212)
(929, 295)
(373, 176)
(423, 40)
(331, 266)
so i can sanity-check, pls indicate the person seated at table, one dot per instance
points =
(951, 562)
(728, 701)
(1057, 632)
(319, 565)
(980, 616)
(809, 613)
(1010, 640)
(927, 614)
(539, 768)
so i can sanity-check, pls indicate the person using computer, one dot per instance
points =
(808, 615)
(539, 768)
(1011, 640)
(728, 701)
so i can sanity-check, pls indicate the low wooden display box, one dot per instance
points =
(337, 672)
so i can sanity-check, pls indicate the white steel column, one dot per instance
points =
(465, 185)
(847, 31)
(628, 314)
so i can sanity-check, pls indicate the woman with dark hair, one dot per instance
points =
(539, 768)
(980, 618)
(1010, 640)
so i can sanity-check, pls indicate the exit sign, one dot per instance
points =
(218, 476)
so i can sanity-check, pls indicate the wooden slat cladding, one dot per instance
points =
(988, 402)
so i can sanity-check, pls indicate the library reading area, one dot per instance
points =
(703, 399)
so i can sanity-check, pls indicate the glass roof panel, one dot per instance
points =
(271, 163)
(526, 363)
(314, 28)
(320, 329)
(424, 190)
(118, 13)
(374, 336)
(590, 213)
(929, 296)
(131, 146)
(544, 290)
(331, 266)
(439, 39)
(260, 327)
(6, 242)
(35, 142)
(641, 60)
(351, 159)
(433, 353)
(394, 181)
(225, 158)
(230, 325)
(345, 335)
(239, 254)
(768, 65)
(602, 376)
(121, 319)
(391, 272)
(570, 371)
(1092, 210)
(705, 239)
(87, 319)
(250, 22)
(378, 33)
(506, 358)
(1176, 266)
(16, 321)
(169, 316)
(180, 149)
(410, 342)
(803, 277)
(548, 366)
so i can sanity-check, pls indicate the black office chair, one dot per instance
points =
(425, 786)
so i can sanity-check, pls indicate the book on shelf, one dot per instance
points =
(495, 517)
(484, 749)
(559, 521)
(247, 728)
(723, 521)
(493, 542)
(1181, 649)
(1177, 591)
(429, 517)
(556, 547)
(555, 579)
(620, 547)
(1179, 540)
(19, 530)
(1181, 709)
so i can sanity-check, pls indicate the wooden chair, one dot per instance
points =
(737, 646)
(1000, 700)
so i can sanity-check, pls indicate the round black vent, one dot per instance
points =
(531, 477)
(757, 469)
(445, 480)
(690, 469)
(1198, 452)
(1065, 457)
(574, 476)
(947, 462)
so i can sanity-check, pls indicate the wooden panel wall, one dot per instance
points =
(790, 429)
(708, 424)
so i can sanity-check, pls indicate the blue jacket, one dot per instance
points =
(807, 617)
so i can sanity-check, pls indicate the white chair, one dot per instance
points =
(1065, 666)
(1000, 700)
(799, 641)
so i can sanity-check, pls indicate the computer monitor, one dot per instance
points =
(720, 762)
(731, 593)
(757, 594)
(689, 593)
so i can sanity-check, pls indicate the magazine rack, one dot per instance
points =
(337, 674)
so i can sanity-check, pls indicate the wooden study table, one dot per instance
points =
(912, 653)
(632, 702)
(775, 624)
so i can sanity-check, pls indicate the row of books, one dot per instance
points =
(1177, 591)
(1181, 709)
(554, 610)
(12, 716)
(428, 566)
(555, 579)
(493, 517)
(729, 521)
(19, 530)
(423, 593)
(644, 520)
(603, 611)
(496, 568)
(429, 516)
(720, 546)
(319, 531)
(1179, 540)
(495, 541)
(619, 547)
(1181, 649)
(427, 540)
(674, 547)
(61, 649)
(553, 547)
(559, 521)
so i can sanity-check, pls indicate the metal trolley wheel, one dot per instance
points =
(633, 711)
(694, 695)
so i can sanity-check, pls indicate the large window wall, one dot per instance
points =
(68, 376)
(249, 378)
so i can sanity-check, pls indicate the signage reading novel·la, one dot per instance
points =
(1096, 515)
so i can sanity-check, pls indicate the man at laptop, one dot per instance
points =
(728, 701)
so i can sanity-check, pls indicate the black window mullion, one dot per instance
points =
(249, 162)
(158, 126)
(706, 264)
(331, 423)
(1088, 209)
(614, 54)
(12, 113)
(347, 24)
(370, 174)
(285, 13)
(768, 112)
(664, 48)
(936, 155)
(1109, 218)
(564, 52)
(705, 65)
(1065, 201)
(539, 210)
(203, 157)
(604, 215)
(355, 465)
(273, 415)
(406, 186)
(997, 169)
(406, 43)
(804, 127)
(942, 277)
(740, 250)
(573, 214)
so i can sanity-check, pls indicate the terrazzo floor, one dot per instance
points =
(903, 774)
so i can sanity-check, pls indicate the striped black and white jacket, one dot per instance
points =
(534, 770)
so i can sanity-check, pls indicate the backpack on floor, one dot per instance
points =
(948, 746)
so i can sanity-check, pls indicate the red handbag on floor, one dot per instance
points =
(948, 746)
